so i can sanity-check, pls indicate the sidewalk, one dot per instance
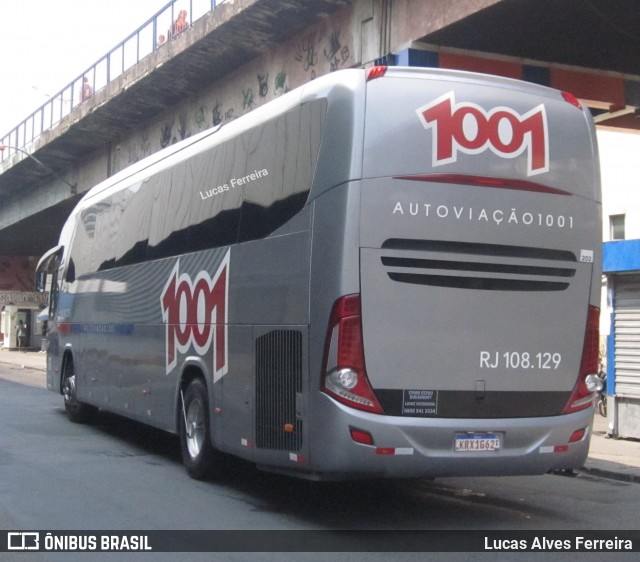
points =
(618, 459)
(612, 458)
(27, 368)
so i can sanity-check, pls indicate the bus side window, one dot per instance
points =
(133, 212)
(70, 275)
(170, 207)
(215, 212)
(282, 155)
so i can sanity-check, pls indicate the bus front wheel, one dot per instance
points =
(195, 434)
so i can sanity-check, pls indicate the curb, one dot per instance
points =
(610, 474)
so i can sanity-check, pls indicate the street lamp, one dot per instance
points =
(73, 186)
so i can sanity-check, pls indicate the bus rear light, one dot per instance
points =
(376, 72)
(361, 436)
(577, 435)
(345, 377)
(582, 396)
(570, 98)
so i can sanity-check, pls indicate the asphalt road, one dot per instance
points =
(117, 474)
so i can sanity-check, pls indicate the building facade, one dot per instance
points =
(620, 313)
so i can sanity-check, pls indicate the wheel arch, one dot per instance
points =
(190, 372)
(68, 356)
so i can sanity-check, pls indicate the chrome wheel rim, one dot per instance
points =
(195, 428)
(69, 390)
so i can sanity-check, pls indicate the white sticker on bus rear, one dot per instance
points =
(586, 256)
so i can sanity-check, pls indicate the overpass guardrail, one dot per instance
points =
(174, 18)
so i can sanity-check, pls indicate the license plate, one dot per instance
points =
(476, 442)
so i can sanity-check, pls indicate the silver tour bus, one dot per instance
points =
(390, 272)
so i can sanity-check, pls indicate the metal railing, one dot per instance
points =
(149, 37)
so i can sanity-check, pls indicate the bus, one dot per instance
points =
(386, 272)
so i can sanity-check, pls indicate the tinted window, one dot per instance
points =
(281, 159)
(243, 189)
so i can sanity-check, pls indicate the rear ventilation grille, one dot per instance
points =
(484, 267)
(278, 382)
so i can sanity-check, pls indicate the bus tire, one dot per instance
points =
(195, 434)
(77, 412)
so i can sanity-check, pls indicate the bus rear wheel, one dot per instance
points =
(77, 412)
(195, 434)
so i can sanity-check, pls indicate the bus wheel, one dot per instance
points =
(77, 412)
(195, 435)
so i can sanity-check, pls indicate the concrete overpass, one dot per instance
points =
(246, 52)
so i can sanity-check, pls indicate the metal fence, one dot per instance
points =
(170, 21)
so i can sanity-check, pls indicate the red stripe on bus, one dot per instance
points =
(485, 181)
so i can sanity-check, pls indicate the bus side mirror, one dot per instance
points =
(41, 281)
(48, 263)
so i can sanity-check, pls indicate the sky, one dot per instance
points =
(620, 174)
(614, 148)
(46, 44)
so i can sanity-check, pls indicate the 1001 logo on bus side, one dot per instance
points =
(194, 312)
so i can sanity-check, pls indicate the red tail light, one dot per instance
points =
(577, 435)
(582, 397)
(570, 98)
(376, 72)
(345, 376)
(361, 436)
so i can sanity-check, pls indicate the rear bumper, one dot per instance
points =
(424, 447)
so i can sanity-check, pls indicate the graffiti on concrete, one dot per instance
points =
(200, 119)
(145, 143)
(141, 149)
(322, 48)
(336, 54)
(132, 155)
(263, 82)
(165, 134)
(280, 83)
(182, 127)
(166, 131)
(306, 52)
(247, 102)
(216, 114)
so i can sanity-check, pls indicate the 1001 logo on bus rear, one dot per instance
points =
(194, 312)
(468, 128)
